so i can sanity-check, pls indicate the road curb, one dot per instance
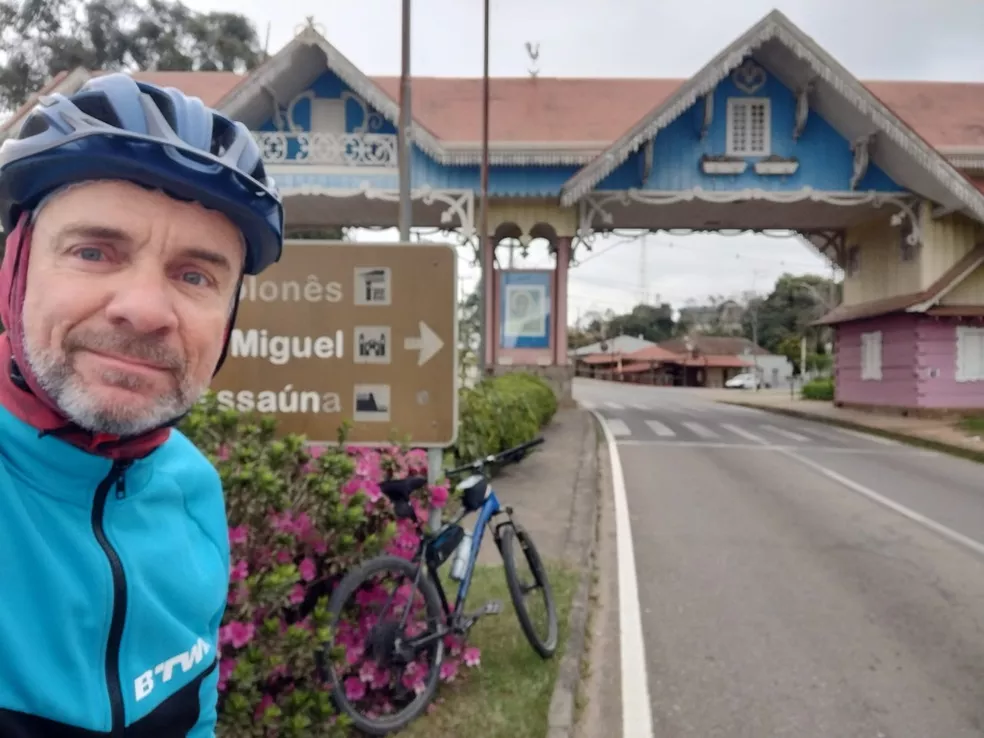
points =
(579, 551)
(911, 440)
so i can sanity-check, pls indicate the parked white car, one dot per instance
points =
(744, 381)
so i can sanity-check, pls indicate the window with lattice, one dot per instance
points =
(749, 124)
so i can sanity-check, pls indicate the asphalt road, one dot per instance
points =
(779, 593)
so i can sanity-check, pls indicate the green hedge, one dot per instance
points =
(501, 412)
(819, 389)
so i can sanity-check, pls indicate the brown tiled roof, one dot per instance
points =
(714, 345)
(652, 353)
(600, 110)
(600, 358)
(718, 362)
(209, 86)
(898, 303)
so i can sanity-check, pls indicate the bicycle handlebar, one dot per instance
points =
(510, 455)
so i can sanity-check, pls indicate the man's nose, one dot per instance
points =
(143, 299)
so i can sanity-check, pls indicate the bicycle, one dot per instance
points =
(399, 644)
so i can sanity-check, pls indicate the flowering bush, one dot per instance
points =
(299, 519)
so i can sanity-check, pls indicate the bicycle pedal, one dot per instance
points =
(492, 607)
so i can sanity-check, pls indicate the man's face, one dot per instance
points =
(128, 298)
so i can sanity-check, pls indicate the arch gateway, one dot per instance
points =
(885, 179)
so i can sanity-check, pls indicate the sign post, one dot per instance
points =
(350, 331)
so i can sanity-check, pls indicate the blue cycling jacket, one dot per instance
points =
(113, 582)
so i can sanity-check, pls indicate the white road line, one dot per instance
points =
(618, 427)
(916, 517)
(637, 720)
(747, 435)
(701, 430)
(869, 437)
(912, 515)
(614, 406)
(788, 434)
(637, 406)
(659, 429)
(587, 405)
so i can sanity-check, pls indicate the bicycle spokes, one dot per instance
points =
(375, 654)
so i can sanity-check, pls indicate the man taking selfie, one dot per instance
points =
(132, 213)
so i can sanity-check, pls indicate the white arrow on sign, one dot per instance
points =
(428, 343)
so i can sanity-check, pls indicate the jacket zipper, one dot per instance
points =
(114, 478)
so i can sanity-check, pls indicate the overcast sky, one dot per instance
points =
(875, 39)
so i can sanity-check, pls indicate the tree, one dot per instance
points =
(40, 38)
(794, 303)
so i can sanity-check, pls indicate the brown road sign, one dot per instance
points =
(339, 330)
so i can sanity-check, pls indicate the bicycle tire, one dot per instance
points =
(545, 648)
(387, 724)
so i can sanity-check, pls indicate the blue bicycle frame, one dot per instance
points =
(486, 512)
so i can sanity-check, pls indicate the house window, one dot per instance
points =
(853, 261)
(871, 356)
(970, 354)
(749, 124)
(327, 116)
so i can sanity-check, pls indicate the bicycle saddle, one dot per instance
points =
(399, 491)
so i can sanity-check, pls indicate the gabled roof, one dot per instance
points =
(916, 302)
(272, 73)
(775, 27)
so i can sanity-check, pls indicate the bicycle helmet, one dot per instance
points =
(115, 127)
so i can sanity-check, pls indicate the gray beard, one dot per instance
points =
(58, 377)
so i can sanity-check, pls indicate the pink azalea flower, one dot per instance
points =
(303, 525)
(371, 490)
(222, 452)
(239, 572)
(284, 557)
(449, 669)
(351, 488)
(238, 535)
(439, 495)
(261, 708)
(354, 689)
(472, 656)
(226, 667)
(297, 594)
(236, 633)
(353, 654)
(307, 570)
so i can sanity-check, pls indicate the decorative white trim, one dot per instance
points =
(461, 203)
(350, 149)
(593, 206)
(776, 26)
(749, 77)
(771, 168)
(964, 335)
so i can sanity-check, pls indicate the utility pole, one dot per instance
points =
(403, 132)
(485, 283)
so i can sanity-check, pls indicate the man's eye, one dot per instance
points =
(90, 253)
(196, 279)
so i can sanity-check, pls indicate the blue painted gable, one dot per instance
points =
(825, 157)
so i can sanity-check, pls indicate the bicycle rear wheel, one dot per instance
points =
(543, 639)
(368, 650)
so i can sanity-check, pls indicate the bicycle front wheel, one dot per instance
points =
(379, 678)
(538, 624)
